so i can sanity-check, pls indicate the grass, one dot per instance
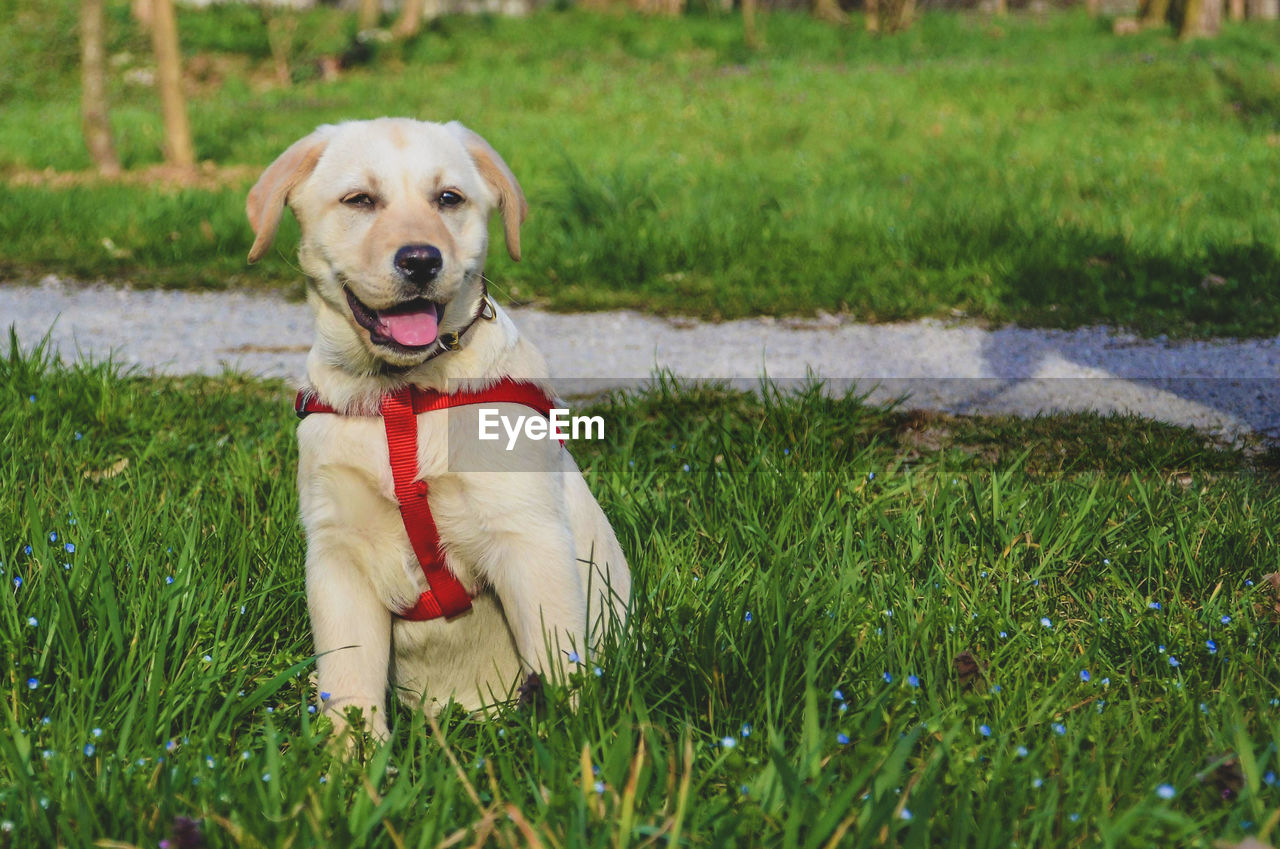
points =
(1038, 170)
(952, 579)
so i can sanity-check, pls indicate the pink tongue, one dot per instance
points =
(413, 328)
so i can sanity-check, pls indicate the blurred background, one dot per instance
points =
(1049, 164)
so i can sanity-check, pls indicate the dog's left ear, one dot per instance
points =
(267, 198)
(494, 170)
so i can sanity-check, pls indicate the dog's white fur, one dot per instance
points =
(536, 545)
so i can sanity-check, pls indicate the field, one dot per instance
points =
(1037, 169)
(851, 627)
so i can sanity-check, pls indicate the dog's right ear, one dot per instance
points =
(268, 197)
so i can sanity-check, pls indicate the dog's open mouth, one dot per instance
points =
(412, 324)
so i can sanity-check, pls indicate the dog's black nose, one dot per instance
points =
(419, 263)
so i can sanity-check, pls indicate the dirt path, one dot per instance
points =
(1227, 387)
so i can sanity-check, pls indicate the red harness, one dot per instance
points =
(446, 595)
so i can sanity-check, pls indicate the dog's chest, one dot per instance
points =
(347, 492)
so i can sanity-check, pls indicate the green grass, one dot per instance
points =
(812, 545)
(1039, 170)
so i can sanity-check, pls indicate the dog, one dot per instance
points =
(394, 218)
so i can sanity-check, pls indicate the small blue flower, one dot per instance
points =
(1269, 778)
(32, 683)
(686, 467)
(746, 729)
(266, 776)
(837, 695)
(1004, 635)
(597, 671)
(1084, 675)
(599, 787)
(208, 658)
(1173, 661)
(744, 790)
(168, 579)
(79, 436)
(31, 398)
(748, 616)
(1204, 708)
(1225, 620)
(17, 581)
(573, 657)
(1106, 682)
(1166, 791)
(871, 476)
(842, 739)
(728, 742)
(905, 815)
(984, 730)
(324, 696)
(1037, 782)
(1212, 646)
(1046, 622)
(53, 536)
(311, 708)
(70, 548)
(913, 681)
(1074, 818)
(1155, 605)
(32, 621)
(996, 688)
(888, 679)
(26, 549)
(1059, 729)
(89, 749)
(44, 720)
(1022, 751)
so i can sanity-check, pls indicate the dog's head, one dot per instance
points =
(394, 216)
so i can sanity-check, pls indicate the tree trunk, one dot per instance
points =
(410, 21)
(873, 15)
(178, 150)
(1156, 13)
(907, 14)
(367, 16)
(142, 13)
(1237, 10)
(1262, 10)
(749, 33)
(829, 11)
(1200, 19)
(281, 27)
(1093, 7)
(94, 111)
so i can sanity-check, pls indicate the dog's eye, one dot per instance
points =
(449, 198)
(358, 199)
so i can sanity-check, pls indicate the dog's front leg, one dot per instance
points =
(352, 631)
(537, 579)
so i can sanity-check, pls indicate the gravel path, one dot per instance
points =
(1228, 387)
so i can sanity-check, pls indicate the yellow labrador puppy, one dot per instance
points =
(394, 219)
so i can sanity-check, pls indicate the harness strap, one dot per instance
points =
(446, 595)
